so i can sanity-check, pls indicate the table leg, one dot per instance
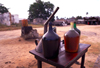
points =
(82, 61)
(39, 64)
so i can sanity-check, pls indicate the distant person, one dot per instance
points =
(88, 23)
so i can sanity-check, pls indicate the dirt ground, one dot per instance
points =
(14, 50)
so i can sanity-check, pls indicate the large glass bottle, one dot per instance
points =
(51, 43)
(77, 28)
(71, 40)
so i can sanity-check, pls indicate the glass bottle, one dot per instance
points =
(51, 43)
(71, 40)
(76, 28)
(24, 22)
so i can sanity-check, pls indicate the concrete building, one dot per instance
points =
(5, 19)
(15, 18)
(92, 20)
(60, 22)
(8, 19)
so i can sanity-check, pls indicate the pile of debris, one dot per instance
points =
(27, 32)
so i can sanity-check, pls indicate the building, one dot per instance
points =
(92, 20)
(60, 22)
(8, 19)
(5, 19)
(80, 21)
(15, 18)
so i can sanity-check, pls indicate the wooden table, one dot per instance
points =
(64, 59)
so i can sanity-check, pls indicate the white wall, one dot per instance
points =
(16, 18)
(5, 19)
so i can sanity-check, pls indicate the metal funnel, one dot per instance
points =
(39, 46)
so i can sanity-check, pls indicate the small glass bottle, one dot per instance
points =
(77, 28)
(71, 40)
(51, 43)
(24, 22)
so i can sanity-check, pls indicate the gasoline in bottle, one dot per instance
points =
(71, 40)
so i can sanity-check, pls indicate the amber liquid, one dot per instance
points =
(71, 42)
(24, 22)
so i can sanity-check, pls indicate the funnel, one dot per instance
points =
(39, 46)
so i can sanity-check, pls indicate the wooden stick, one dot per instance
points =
(51, 16)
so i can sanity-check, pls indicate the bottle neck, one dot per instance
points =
(50, 26)
(74, 25)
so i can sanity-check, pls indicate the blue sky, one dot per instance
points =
(68, 8)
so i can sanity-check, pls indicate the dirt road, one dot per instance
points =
(86, 30)
(14, 50)
(10, 34)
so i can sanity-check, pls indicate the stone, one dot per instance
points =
(33, 34)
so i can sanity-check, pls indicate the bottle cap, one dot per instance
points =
(71, 23)
(74, 24)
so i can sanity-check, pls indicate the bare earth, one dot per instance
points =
(14, 50)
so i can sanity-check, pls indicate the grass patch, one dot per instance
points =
(94, 48)
(36, 26)
(90, 64)
(15, 26)
(12, 27)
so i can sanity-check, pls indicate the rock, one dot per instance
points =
(6, 62)
(32, 35)
(9, 61)
(19, 40)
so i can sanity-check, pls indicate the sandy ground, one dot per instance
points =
(14, 50)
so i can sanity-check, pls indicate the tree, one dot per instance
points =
(57, 17)
(3, 9)
(87, 13)
(79, 17)
(40, 9)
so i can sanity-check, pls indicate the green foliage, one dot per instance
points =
(79, 17)
(16, 24)
(40, 9)
(2, 25)
(3, 9)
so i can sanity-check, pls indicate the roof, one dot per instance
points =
(60, 20)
